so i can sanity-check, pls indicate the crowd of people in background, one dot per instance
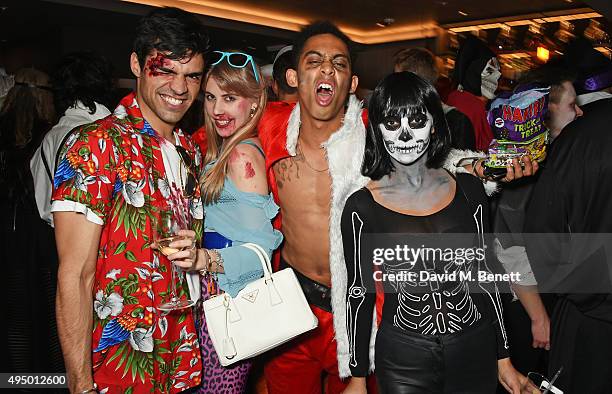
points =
(286, 156)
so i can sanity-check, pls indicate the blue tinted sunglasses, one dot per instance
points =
(238, 60)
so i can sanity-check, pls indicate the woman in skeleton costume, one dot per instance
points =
(434, 336)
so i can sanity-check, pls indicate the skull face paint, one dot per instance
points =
(406, 136)
(489, 78)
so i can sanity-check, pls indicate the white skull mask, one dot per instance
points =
(489, 77)
(407, 136)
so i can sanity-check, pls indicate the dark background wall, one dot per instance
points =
(376, 61)
(38, 33)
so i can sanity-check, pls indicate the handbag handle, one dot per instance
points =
(263, 258)
(275, 297)
(229, 347)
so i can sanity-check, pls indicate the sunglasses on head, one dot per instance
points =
(235, 59)
(192, 180)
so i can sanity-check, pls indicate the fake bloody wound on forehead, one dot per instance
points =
(155, 63)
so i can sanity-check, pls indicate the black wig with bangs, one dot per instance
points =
(402, 94)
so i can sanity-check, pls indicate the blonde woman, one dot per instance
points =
(238, 205)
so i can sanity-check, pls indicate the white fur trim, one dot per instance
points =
(347, 142)
(293, 130)
(344, 151)
(452, 164)
(490, 187)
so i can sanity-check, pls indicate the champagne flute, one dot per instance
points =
(166, 233)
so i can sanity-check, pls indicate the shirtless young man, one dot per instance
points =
(300, 178)
(313, 158)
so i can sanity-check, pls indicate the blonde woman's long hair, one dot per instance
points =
(241, 82)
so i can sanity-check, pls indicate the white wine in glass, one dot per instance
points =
(165, 234)
(164, 245)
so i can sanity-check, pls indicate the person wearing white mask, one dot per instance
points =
(477, 72)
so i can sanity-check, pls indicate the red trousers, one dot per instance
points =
(304, 364)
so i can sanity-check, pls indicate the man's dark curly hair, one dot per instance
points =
(82, 76)
(315, 29)
(177, 33)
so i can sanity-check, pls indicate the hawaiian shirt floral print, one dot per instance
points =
(115, 168)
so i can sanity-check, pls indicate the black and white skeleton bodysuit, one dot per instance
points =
(426, 307)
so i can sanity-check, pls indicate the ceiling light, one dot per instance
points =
(385, 22)
(543, 54)
(533, 23)
(462, 13)
(263, 17)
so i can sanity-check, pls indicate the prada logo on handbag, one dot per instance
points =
(252, 296)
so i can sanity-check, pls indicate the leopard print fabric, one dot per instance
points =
(217, 379)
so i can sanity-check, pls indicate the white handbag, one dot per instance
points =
(266, 313)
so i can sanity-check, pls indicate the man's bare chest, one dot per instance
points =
(300, 184)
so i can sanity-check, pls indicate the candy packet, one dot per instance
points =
(517, 122)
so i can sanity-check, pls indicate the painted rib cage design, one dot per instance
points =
(449, 306)
(432, 307)
(436, 308)
(453, 306)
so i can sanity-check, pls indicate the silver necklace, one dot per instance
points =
(301, 152)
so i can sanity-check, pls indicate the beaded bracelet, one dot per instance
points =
(212, 266)
(218, 261)
(206, 270)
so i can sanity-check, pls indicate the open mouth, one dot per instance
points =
(172, 100)
(223, 123)
(324, 93)
(416, 147)
(489, 84)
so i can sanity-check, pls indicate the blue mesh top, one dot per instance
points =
(242, 217)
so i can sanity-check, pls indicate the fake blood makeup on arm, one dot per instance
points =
(249, 172)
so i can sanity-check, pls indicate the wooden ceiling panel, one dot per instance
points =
(358, 18)
(363, 14)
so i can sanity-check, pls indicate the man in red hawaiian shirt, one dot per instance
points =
(109, 188)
